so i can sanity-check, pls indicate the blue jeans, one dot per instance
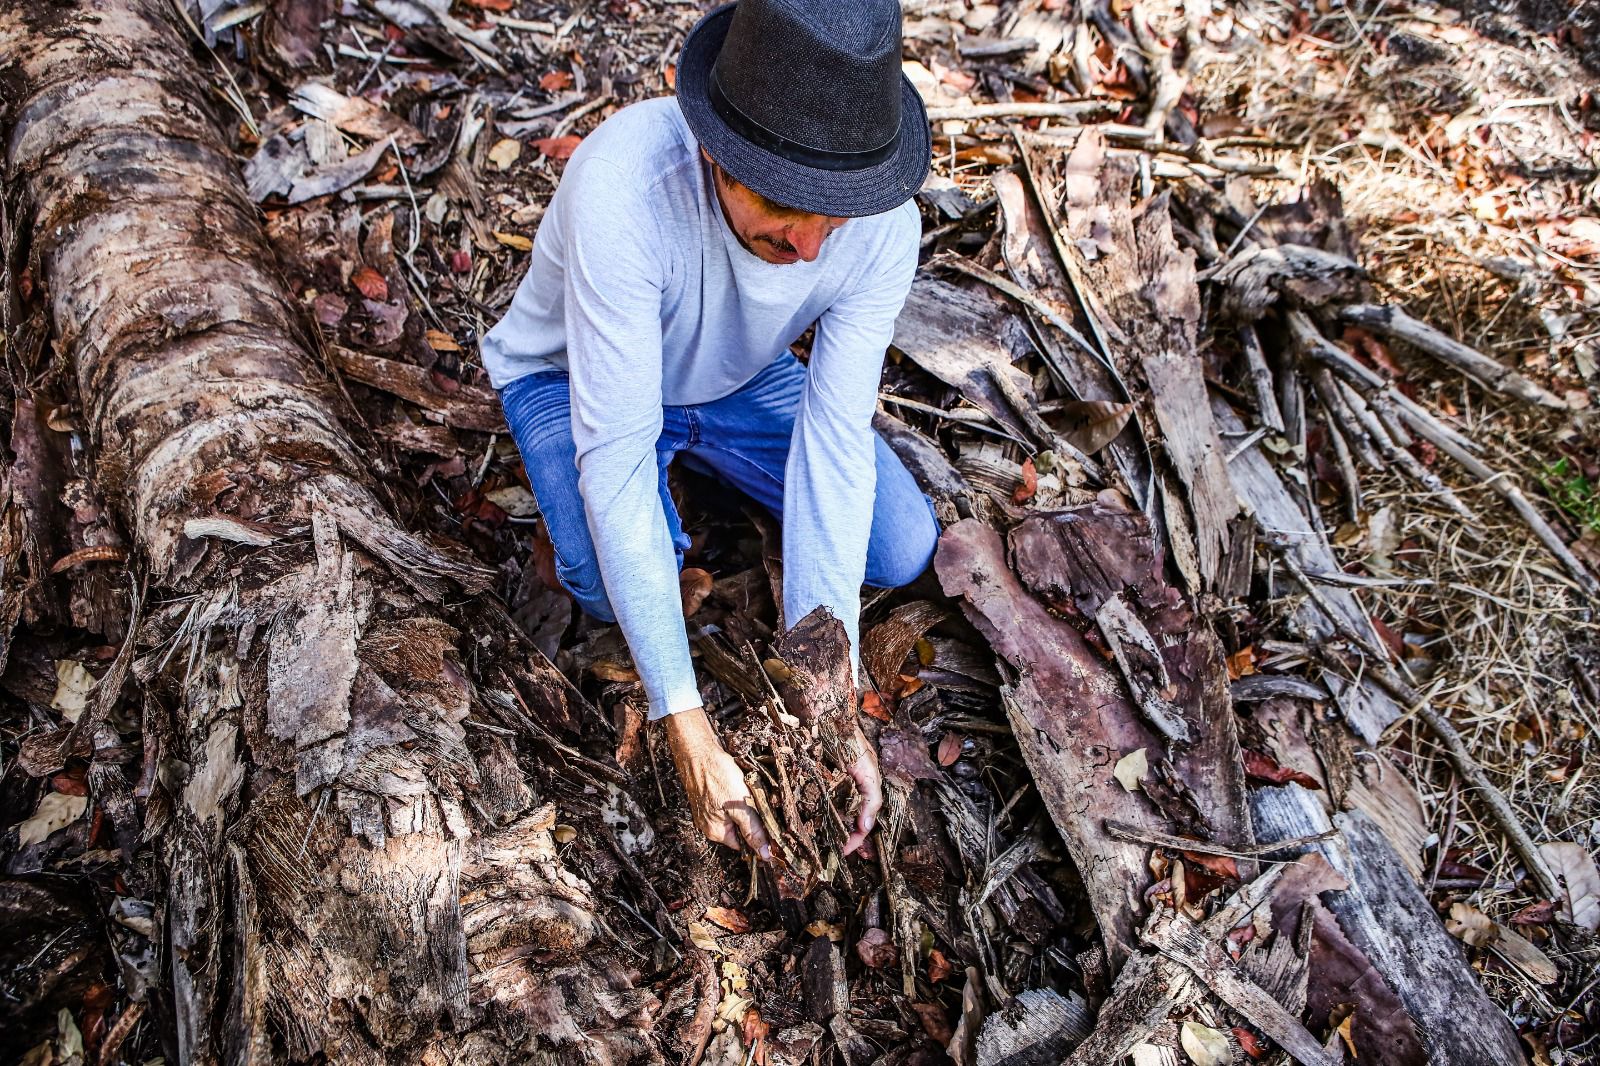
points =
(743, 439)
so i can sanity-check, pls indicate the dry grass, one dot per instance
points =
(1458, 156)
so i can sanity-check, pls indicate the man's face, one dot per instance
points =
(771, 231)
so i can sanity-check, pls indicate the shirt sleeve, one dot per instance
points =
(831, 474)
(613, 285)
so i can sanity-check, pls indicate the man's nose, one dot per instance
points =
(807, 237)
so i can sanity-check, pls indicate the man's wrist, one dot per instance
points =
(689, 733)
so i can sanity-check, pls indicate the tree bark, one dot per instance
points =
(353, 871)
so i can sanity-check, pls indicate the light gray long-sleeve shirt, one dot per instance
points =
(639, 289)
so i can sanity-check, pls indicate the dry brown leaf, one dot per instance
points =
(555, 81)
(57, 810)
(370, 284)
(74, 683)
(939, 968)
(872, 704)
(505, 152)
(1267, 770)
(950, 748)
(1030, 483)
(694, 585)
(610, 670)
(441, 341)
(1131, 770)
(558, 147)
(1204, 1045)
(1575, 868)
(513, 500)
(1470, 925)
(834, 931)
(753, 1032)
(1092, 424)
(514, 240)
(704, 937)
(731, 920)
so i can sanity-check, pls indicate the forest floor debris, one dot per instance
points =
(1172, 373)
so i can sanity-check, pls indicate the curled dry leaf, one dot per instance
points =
(694, 585)
(753, 1031)
(1092, 424)
(876, 949)
(1266, 769)
(731, 920)
(939, 968)
(1030, 483)
(1204, 1045)
(1132, 769)
(514, 240)
(1470, 925)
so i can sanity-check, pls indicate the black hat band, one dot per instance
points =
(793, 151)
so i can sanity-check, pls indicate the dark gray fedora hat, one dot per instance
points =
(804, 101)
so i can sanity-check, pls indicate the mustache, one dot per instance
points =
(783, 246)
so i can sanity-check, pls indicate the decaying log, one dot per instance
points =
(1070, 718)
(950, 332)
(333, 833)
(1256, 278)
(1147, 284)
(1388, 919)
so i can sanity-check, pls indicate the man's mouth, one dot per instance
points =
(781, 251)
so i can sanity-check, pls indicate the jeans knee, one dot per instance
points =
(588, 590)
(908, 553)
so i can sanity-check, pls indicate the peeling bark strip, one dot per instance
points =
(299, 927)
(1069, 710)
(1147, 285)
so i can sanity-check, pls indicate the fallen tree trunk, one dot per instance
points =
(322, 812)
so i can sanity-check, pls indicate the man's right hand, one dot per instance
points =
(719, 799)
